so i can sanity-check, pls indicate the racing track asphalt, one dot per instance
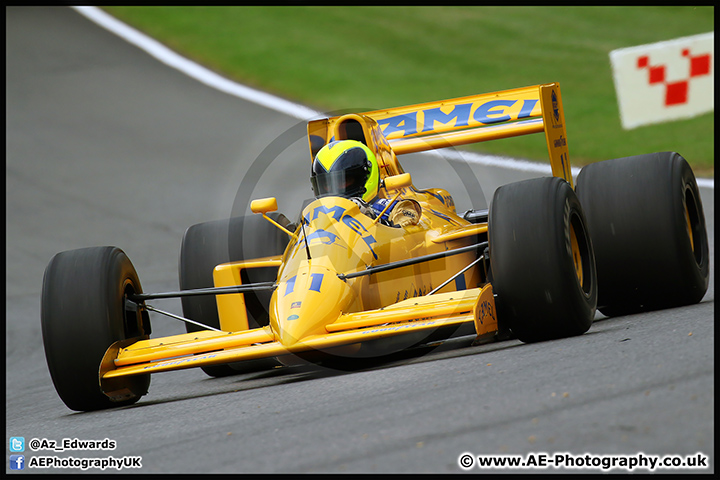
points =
(106, 146)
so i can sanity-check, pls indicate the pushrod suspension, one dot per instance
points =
(412, 261)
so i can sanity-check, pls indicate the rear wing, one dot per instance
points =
(464, 120)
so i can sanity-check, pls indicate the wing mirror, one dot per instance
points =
(265, 205)
(397, 182)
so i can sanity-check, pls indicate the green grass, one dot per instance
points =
(334, 58)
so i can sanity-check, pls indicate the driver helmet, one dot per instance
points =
(345, 168)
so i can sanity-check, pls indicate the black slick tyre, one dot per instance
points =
(542, 260)
(83, 313)
(208, 244)
(647, 225)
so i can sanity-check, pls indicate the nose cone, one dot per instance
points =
(303, 304)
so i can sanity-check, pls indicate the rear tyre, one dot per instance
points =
(83, 313)
(542, 260)
(647, 225)
(209, 244)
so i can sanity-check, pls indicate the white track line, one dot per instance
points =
(212, 79)
(192, 69)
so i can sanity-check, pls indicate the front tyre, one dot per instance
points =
(542, 260)
(83, 313)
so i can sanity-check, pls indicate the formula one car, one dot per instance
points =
(338, 284)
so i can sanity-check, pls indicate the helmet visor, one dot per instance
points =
(344, 183)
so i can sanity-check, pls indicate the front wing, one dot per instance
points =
(207, 348)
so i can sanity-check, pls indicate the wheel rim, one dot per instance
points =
(693, 225)
(689, 228)
(581, 254)
(577, 258)
(132, 322)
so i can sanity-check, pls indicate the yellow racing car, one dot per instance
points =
(374, 265)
